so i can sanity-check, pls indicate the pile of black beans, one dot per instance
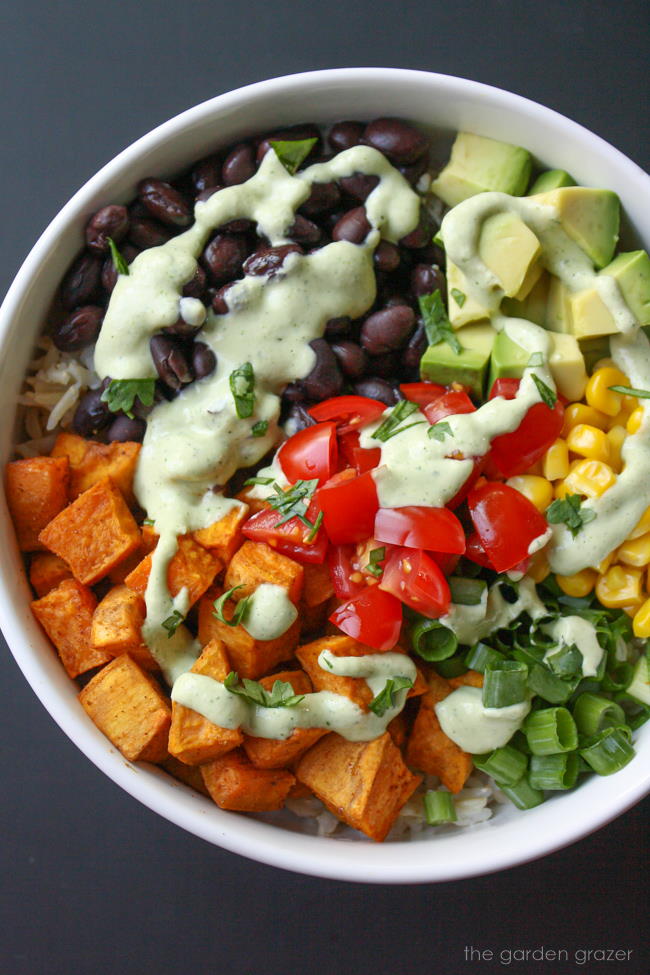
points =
(369, 356)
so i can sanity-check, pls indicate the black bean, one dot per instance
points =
(109, 271)
(81, 284)
(240, 226)
(377, 388)
(219, 303)
(182, 329)
(398, 141)
(386, 257)
(352, 226)
(323, 197)
(392, 300)
(299, 418)
(421, 236)
(239, 165)
(337, 327)
(303, 231)
(195, 287)
(79, 329)
(388, 329)
(269, 260)
(164, 202)
(92, 413)
(385, 365)
(295, 133)
(146, 233)
(325, 379)
(206, 174)
(351, 358)
(170, 361)
(224, 257)
(415, 349)
(294, 393)
(206, 193)
(427, 278)
(127, 429)
(204, 360)
(359, 186)
(417, 169)
(111, 221)
(345, 135)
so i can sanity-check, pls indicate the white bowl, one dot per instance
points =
(442, 104)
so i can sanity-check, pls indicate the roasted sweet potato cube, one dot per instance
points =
(187, 774)
(37, 490)
(254, 504)
(192, 738)
(429, 749)
(234, 783)
(317, 585)
(255, 563)
(224, 537)
(130, 709)
(46, 571)
(364, 783)
(65, 614)
(270, 753)
(117, 621)
(91, 462)
(94, 533)
(471, 678)
(191, 566)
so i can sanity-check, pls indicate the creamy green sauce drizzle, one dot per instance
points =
(473, 623)
(474, 728)
(573, 630)
(269, 613)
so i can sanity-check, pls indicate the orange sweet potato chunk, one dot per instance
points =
(37, 490)
(187, 774)
(117, 624)
(269, 753)
(191, 566)
(130, 709)
(94, 533)
(193, 739)
(429, 749)
(91, 462)
(471, 678)
(317, 586)
(234, 783)
(255, 563)
(46, 571)
(224, 537)
(363, 783)
(66, 613)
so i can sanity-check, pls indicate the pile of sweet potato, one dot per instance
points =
(89, 562)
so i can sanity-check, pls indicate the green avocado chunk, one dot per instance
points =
(478, 164)
(552, 179)
(566, 363)
(508, 359)
(440, 364)
(632, 274)
(590, 217)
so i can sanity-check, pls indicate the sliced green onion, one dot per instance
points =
(566, 661)
(480, 655)
(466, 592)
(432, 641)
(593, 713)
(549, 687)
(505, 684)
(439, 808)
(618, 678)
(506, 765)
(608, 751)
(452, 667)
(554, 772)
(550, 731)
(639, 685)
(523, 795)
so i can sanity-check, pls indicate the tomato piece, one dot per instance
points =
(348, 412)
(446, 561)
(516, 452)
(290, 538)
(312, 452)
(506, 387)
(476, 553)
(339, 560)
(373, 617)
(416, 526)
(418, 581)
(461, 494)
(422, 393)
(449, 404)
(349, 505)
(361, 458)
(506, 523)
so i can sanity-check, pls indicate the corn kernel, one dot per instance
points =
(641, 621)
(633, 608)
(598, 393)
(579, 584)
(587, 441)
(538, 568)
(604, 565)
(589, 477)
(537, 489)
(620, 420)
(635, 552)
(633, 425)
(619, 586)
(555, 463)
(560, 490)
(642, 527)
(577, 413)
(616, 436)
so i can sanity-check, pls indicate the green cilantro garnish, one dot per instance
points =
(259, 429)
(172, 623)
(292, 153)
(240, 609)
(148, 521)
(391, 425)
(119, 261)
(242, 387)
(314, 532)
(258, 480)
(631, 391)
(439, 431)
(374, 558)
(436, 324)
(280, 696)
(458, 297)
(294, 502)
(386, 698)
(569, 511)
(549, 398)
(121, 394)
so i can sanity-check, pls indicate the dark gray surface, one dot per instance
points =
(92, 881)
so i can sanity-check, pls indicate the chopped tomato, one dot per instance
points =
(361, 458)
(461, 494)
(476, 553)
(449, 404)
(290, 538)
(447, 561)
(348, 412)
(349, 505)
(422, 393)
(310, 453)
(418, 581)
(416, 526)
(339, 559)
(516, 452)
(373, 617)
(506, 523)
(506, 387)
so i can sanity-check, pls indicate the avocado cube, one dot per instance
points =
(567, 366)
(469, 310)
(590, 217)
(590, 316)
(552, 179)
(632, 274)
(558, 307)
(533, 307)
(511, 250)
(440, 364)
(508, 359)
(477, 165)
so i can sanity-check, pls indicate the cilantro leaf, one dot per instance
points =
(242, 387)
(631, 391)
(436, 324)
(549, 398)
(292, 152)
(568, 511)
(258, 480)
(314, 532)
(148, 521)
(391, 426)
(294, 502)
(280, 696)
(121, 394)
(172, 623)
(439, 431)
(386, 698)
(119, 261)
(375, 557)
(240, 608)
(458, 297)
(259, 429)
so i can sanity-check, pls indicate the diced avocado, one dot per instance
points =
(567, 366)
(469, 310)
(590, 316)
(511, 250)
(508, 359)
(593, 350)
(533, 307)
(440, 364)
(477, 165)
(558, 307)
(632, 274)
(552, 179)
(590, 217)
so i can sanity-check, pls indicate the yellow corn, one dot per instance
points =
(555, 463)
(598, 393)
(633, 608)
(604, 565)
(616, 436)
(589, 477)
(537, 489)
(641, 621)
(587, 441)
(619, 586)
(642, 527)
(635, 552)
(579, 584)
(560, 490)
(538, 567)
(620, 420)
(634, 422)
(577, 413)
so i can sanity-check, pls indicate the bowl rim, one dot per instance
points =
(316, 856)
